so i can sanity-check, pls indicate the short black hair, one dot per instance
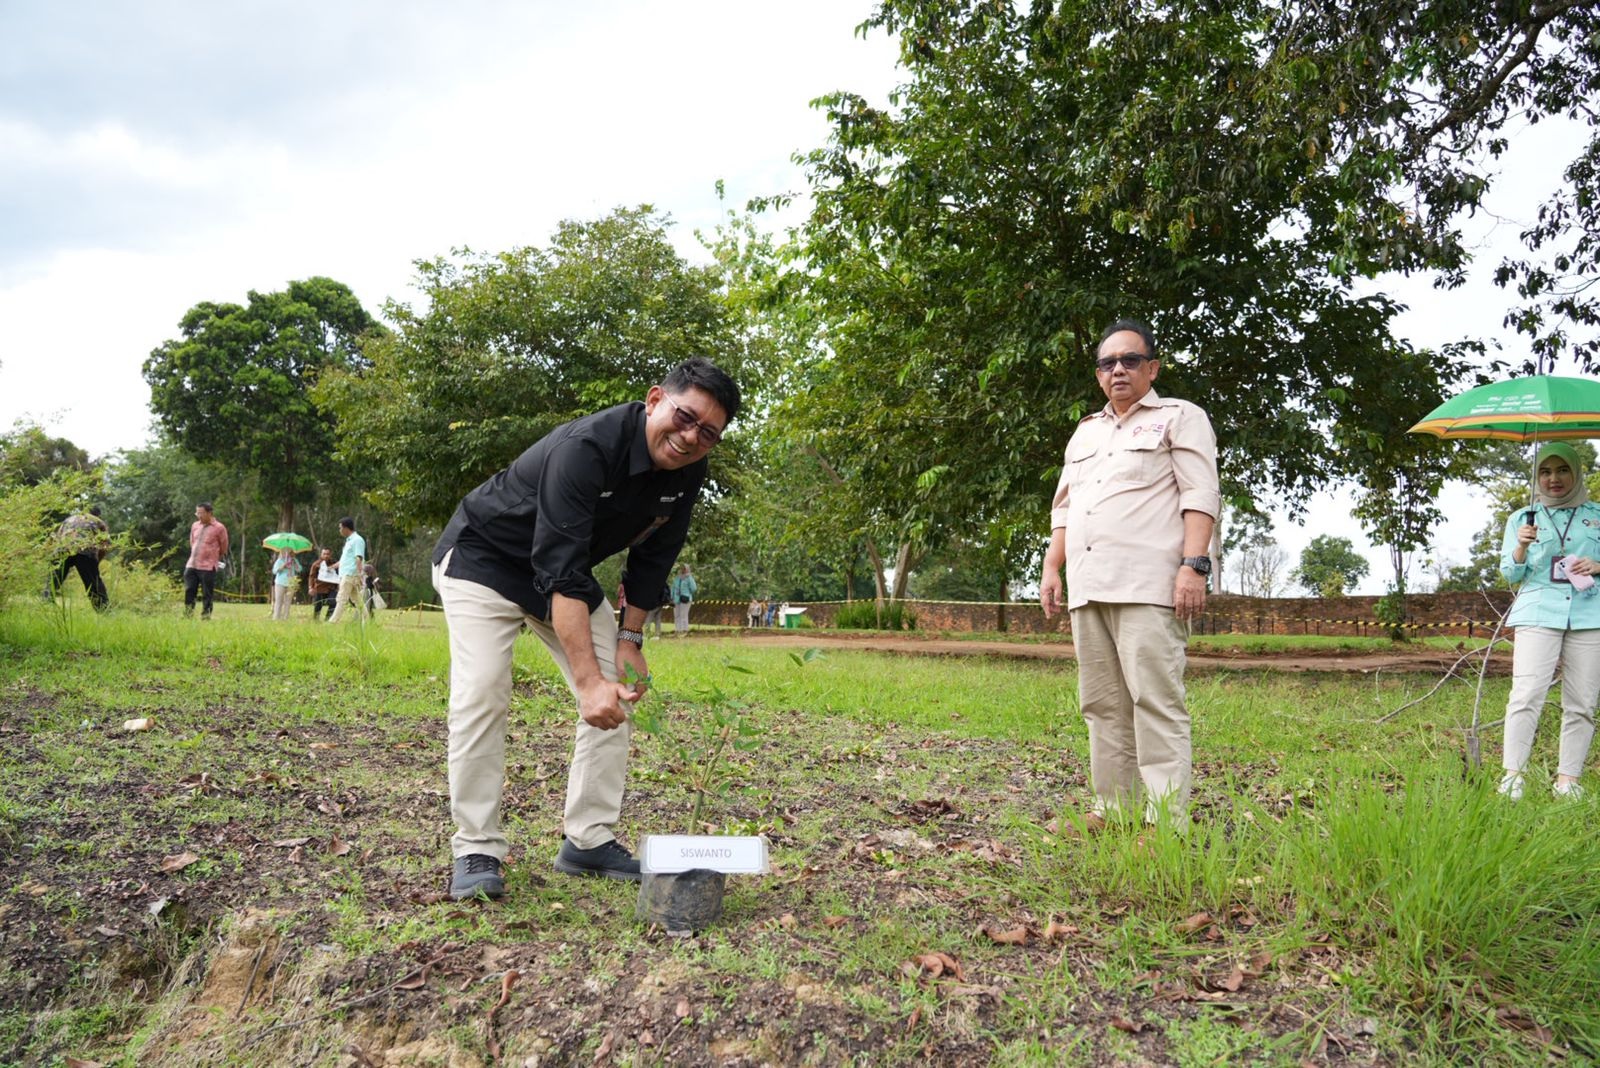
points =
(348, 521)
(206, 505)
(700, 373)
(1136, 327)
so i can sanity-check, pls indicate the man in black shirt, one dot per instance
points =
(521, 550)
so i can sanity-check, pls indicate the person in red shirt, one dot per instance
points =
(208, 545)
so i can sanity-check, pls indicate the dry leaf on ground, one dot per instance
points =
(1124, 1024)
(1198, 922)
(178, 862)
(1014, 936)
(934, 965)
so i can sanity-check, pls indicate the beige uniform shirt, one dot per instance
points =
(1124, 487)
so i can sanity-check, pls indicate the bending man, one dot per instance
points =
(521, 550)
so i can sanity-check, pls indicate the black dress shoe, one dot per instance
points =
(608, 859)
(475, 874)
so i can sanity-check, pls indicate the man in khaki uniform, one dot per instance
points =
(1131, 521)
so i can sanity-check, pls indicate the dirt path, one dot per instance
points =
(1419, 661)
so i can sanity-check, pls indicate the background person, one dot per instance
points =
(322, 583)
(683, 588)
(752, 612)
(652, 618)
(208, 548)
(352, 560)
(1556, 623)
(84, 539)
(1132, 520)
(285, 568)
(369, 588)
(521, 552)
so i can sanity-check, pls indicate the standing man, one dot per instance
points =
(1132, 520)
(521, 551)
(351, 562)
(84, 540)
(683, 588)
(322, 583)
(208, 545)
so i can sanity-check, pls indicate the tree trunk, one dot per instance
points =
(904, 561)
(285, 515)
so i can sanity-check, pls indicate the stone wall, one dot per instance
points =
(1463, 614)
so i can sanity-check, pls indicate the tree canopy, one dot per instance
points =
(30, 456)
(1232, 173)
(508, 346)
(1329, 566)
(235, 387)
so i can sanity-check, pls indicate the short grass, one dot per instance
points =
(1366, 897)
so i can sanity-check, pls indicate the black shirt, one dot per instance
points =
(584, 492)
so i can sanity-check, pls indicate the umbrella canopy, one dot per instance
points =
(1537, 408)
(285, 539)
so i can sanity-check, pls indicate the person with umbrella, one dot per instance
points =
(1553, 551)
(284, 568)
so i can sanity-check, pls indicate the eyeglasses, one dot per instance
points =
(685, 420)
(1130, 361)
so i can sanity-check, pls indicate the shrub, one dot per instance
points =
(863, 615)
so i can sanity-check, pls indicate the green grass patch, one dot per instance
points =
(1348, 889)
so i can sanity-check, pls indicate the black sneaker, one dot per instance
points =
(609, 859)
(475, 874)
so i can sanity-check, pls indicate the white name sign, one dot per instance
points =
(668, 853)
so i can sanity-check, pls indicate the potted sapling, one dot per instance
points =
(684, 876)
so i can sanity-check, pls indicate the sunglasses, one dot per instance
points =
(1129, 360)
(685, 420)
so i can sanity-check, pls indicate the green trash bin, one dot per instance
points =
(791, 621)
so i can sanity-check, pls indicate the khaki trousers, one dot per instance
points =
(349, 591)
(483, 629)
(281, 596)
(1130, 686)
(1534, 655)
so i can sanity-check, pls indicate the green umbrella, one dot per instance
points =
(285, 539)
(1537, 408)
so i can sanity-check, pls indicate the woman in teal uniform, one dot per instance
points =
(1551, 552)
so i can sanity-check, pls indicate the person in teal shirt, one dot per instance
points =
(284, 569)
(350, 564)
(1551, 552)
(683, 589)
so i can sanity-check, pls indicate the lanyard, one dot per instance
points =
(1565, 530)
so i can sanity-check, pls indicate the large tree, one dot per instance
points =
(235, 386)
(1329, 566)
(29, 456)
(506, 347)
(1230, 172)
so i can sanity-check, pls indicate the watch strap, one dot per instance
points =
(634, 636)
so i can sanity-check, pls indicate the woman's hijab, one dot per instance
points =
(1577, 493)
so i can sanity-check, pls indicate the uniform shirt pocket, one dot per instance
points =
(1080, 465)
(1141, 460)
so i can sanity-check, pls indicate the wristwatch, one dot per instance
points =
(1201, 564)
(634, 636)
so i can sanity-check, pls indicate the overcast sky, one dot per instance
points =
(154, 155)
